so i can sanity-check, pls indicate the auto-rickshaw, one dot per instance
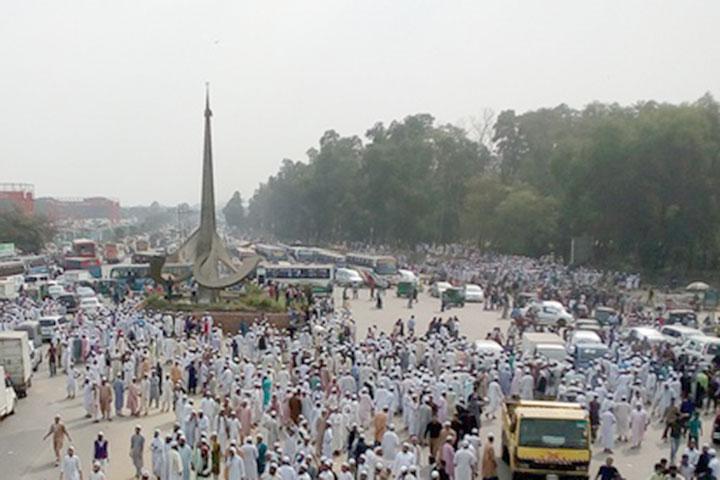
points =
(405, 289)
(453, 297)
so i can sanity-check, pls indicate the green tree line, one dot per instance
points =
(640, 181)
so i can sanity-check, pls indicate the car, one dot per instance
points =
(90, 305)
(583, 337)
(588, 324)
(487, 352)
(585, 353)
(474, 293)
(347, 277)
(700, 348)
(438, 288)
(605, 315)
(69, 301)
(548, 313)
(648, 334)
(85, 292)
(684, 317)
(48, 326)
(35, 356)
(679, 334)
(55, 291)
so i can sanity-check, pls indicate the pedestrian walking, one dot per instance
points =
(59, 433)
(137, 450)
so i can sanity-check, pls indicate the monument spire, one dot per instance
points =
(207, 201)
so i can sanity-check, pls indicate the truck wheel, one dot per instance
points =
(560, 323)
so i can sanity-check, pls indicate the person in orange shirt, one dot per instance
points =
(380, 424)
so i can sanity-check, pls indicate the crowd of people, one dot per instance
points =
(324, 401)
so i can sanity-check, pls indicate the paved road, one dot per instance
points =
(24, 456)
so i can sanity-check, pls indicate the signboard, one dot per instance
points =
(7, 250)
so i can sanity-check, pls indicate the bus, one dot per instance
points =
(133, 277)
(83, 247)
(328, 256)
(11, 267)
(91, 264)
(302, 254)
(111, 253)
(141, 258)
(319, 277)
(383, 265)
(271, 253)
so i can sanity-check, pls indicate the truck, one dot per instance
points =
(15, 358)
(545, 439)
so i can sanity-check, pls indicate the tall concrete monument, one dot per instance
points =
(212, 266)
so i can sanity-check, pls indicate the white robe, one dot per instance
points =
(638, 423)
(464, 462)
(390, 443)
(234, 467)
(607, 429)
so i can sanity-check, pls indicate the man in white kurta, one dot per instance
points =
(622, 413)
(234, 466)
(495, 398)
(465, 462)
(389, 444)
(638, 423)
(607, 430)
(71, 469)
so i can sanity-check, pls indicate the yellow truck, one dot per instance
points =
(546, 439)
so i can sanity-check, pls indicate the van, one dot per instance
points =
(49, 325)
(679, 334)
(701, 348)
(15, 357)
(584, 353)
(648, 334)
(548, 345)
(7, 395)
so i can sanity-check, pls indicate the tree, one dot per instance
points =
(234, 211)
(29, 233)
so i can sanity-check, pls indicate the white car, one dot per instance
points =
(679, 334)
(549, 313)
(583, 337)
(652, 336)
(55, 291)
(90, 305)
(474, 293)
(85, 292)
(700, 348)
(347, 277)
(438, 288)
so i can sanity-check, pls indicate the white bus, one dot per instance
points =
(382, 265)
(328, 256)
(302, 254)
(271, 253)
(319, 277)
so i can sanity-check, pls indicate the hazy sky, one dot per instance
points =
(106, 97)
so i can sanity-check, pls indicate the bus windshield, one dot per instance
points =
(386, 266)
(553, 433)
